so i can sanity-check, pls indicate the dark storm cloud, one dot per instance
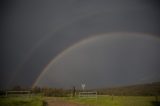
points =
(34, 32)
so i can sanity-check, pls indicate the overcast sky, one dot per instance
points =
(34, 32)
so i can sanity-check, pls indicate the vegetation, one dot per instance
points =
(55, 92)
(137, 95)
(116, 101)
(21, 101)
(152, 89)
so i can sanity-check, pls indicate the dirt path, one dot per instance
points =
(59, 102)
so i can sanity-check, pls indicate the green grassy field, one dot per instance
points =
(100, 101)
(117, 101)
(21, 101)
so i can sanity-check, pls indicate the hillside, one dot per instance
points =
(140, 89)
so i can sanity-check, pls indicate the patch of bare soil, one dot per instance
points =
(59, 102)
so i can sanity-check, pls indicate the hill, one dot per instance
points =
(133, 90)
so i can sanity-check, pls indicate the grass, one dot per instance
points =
(116, 101)
(21, 101)
(100, 101)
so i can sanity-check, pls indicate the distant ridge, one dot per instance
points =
(149, 89)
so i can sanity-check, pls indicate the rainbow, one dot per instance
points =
(83, 42)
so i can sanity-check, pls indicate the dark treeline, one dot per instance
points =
(151, 89)
(57, 92)
(44, 91)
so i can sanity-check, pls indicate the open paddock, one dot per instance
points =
(102, 100)
(106, 100)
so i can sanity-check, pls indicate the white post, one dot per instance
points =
(83, 86)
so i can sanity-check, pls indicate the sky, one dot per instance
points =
(33, 33)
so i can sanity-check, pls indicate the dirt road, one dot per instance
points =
(59, 102)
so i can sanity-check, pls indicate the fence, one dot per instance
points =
(88, 94)
(18, 93)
